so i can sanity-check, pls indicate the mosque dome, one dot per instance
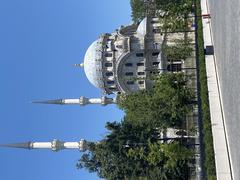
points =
(142, 27)
(93, 63)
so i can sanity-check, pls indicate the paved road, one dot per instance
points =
(226, 33)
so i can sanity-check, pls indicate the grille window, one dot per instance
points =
(155, 63)
(110, 82)
(140, 64)
(141, 73)
(139, 54)
(112, 88)
(119, 46)
(109, 73)
(108, 64)
(107, 54)
(129, 73)
(156, 30)
(174, 67)
(154, 21)
(155, 53)
(130, 82)
(128, 64)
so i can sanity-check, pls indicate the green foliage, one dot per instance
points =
(166, 105)
(138, 10)
(207, 130)
(173, 24)
(173, 14)
(132, 152)
(181, 50)
(109, 158)
(174, 8)
(131, 149)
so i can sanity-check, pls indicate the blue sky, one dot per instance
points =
(40, 40)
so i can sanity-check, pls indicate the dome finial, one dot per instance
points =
(79, 65)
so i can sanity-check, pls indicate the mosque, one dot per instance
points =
(116, 63)
(123, 61)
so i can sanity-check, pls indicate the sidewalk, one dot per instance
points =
(221, 148)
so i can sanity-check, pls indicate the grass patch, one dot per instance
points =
(209, 161)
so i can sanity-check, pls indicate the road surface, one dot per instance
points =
(225, 15)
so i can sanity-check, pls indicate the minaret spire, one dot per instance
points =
(81, 101)
(79, 65)
(55, 145)
(25, 145)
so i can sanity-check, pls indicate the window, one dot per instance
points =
(157, 46)
(176, 60)
(109, 73)
(156, 30)
(119, 46)
(107, 54)
(130, 82)
(108, 64)
(141, 73)
(155, 63)
(140, 82)
(154, 72)
(154, 21)
(128, 64)
(129, 73)
(110, 82)
(112, 88)
(155, 53)
(174, 67)
(140, 64)
(139, 54)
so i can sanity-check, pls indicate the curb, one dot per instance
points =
(220, 139)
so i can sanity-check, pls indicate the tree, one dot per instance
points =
(179, 51)
(173, 15)
(176, 8)
(138, 10)
(109, 159)
(132, 152)
(166, 105)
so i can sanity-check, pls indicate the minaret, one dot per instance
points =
(81, 101)
(55, 145)
(79, 65)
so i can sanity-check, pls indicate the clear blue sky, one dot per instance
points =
(40, 40)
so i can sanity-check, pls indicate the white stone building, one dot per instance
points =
(123, 61)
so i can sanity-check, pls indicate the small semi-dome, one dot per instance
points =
(93, 63)
(142, 27)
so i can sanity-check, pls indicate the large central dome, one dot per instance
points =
(93, 63)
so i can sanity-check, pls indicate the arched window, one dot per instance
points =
(128, 64)
(139, 54)
(140, 64)
(129, 73)
(109, 73)
(107, 54)
(110, 82)
(141, 73)
(108, 65)
(130, 82)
